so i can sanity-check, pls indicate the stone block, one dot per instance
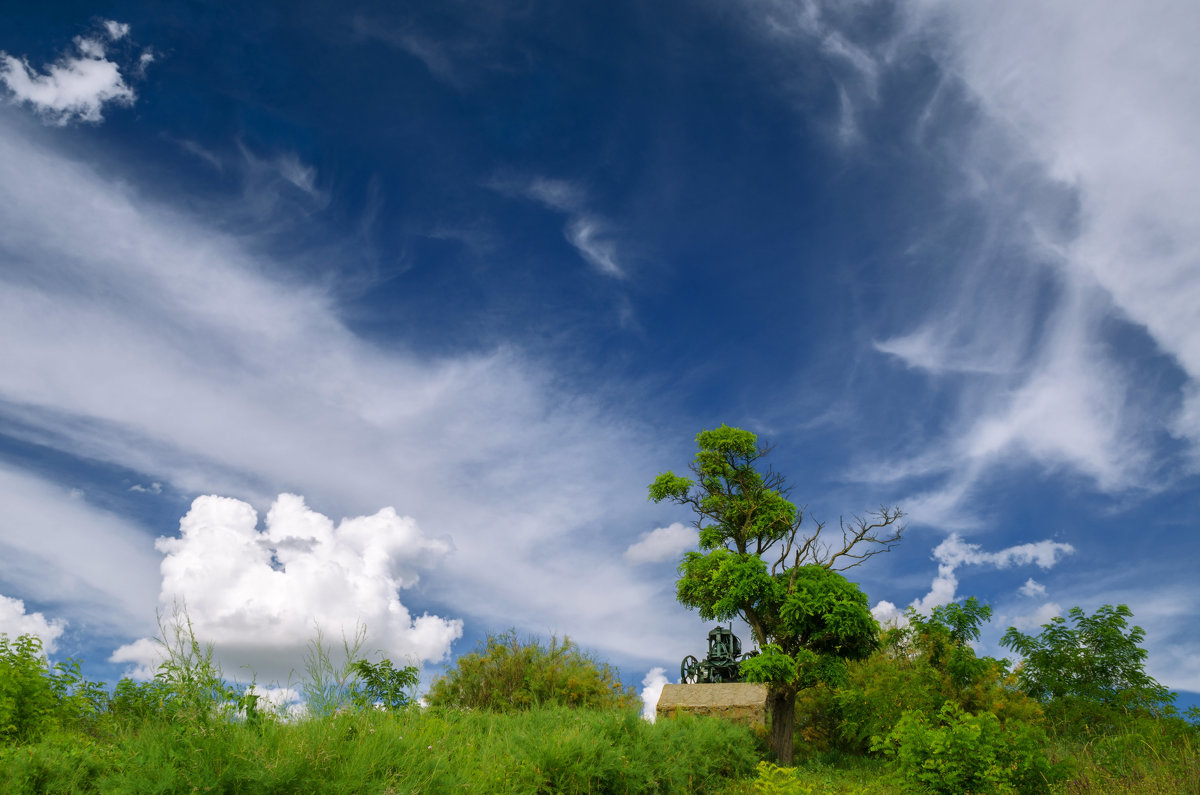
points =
(740, 702)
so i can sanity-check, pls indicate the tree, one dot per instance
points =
(506, 675)
(755, 563)
(1094, 667)
(383, 685)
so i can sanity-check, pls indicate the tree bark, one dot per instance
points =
(782, 705)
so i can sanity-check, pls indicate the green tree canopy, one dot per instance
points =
(758, 562)
(508, 675)
(1093, 663)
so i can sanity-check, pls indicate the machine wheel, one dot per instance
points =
(689, 670)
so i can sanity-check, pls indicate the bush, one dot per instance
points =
(919, 668)
(382, 685)
(957, 752)
(35, 696)
(506, 675)
(28, 703)
(1091, 674)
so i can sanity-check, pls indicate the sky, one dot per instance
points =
(381, 317)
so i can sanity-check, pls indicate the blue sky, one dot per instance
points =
(474, 273)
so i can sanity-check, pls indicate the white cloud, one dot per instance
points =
(145, 656)
(589, 233)
(153, 488)
(14, 622)
(282, 701)
(1032, 588)
(652, 685)
(91, 565)
(259, 596)
(1113, 136)
(953, 552)
(77, 86)
(1038, 617)
(661, 544)
(298, 173)
(116, 30)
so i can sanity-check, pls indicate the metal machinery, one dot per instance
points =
(721, 664)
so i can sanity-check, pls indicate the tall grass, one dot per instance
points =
(189, 730)
(541, 750)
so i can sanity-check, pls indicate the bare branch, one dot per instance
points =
(863, 539)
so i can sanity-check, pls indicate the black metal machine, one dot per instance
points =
(721, 664)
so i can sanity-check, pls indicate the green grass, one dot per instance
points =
(544, 750)
(552, 749)
(190, 731)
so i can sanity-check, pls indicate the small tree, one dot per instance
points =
(1094, 667)
(383, 685)
(506, 675)
(755, 563)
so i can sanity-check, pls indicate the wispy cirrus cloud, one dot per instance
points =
(78, 86)
(1076, 259)
(590, 233)
(248, 383)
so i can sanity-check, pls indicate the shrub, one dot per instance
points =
(28, 703)
(776, 780)
(958, 752)
(506, 675)
(380, 684)
(919, 667)
(136, 702)
(1091, 674)
(35, 696)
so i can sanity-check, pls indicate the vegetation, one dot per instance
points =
(903, 709)
(1090, 672)
(188, 730)
(806, 617)
(921, 713)
(506, 675)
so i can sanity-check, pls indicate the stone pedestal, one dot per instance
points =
(740, 702)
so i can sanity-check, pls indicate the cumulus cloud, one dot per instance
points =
(1037, 618)
(661, 544)
(953, 553)
(1032, 588)
(14, 621)
(652, 685)
(260, 595)
(283, 701)
(76, 87)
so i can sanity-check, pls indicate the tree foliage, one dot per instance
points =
(507, 675)
(954, 752)
(1092, 665)
(919, 667)
(383, 685)
(758, 561)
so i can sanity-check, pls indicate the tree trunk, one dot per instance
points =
(782, 704)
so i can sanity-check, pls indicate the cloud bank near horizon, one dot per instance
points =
(261, 597)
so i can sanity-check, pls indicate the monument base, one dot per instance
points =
(740, 702)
